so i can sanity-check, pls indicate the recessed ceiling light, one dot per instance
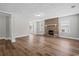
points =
(38, 15)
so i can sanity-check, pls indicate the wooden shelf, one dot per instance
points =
(51, 25)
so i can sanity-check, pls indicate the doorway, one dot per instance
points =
(5, 32)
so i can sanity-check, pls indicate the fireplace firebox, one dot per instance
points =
(50, 32)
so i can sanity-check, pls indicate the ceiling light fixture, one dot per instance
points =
(38, 15)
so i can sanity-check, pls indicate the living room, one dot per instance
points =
(39, 29)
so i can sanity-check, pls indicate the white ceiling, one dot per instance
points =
(45, 10)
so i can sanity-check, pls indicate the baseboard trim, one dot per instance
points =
(16, 37)
(69, 37)
(21, 36)
(13, 41)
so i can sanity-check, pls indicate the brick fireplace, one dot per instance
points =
(51, 27)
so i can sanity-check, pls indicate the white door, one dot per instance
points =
(40, 27)
(31, 28)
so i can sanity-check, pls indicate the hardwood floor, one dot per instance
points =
(39, 46)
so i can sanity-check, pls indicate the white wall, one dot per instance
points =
(70, 25)
(2, 25)
(20, 26)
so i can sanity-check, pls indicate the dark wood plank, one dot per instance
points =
(39, 46)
